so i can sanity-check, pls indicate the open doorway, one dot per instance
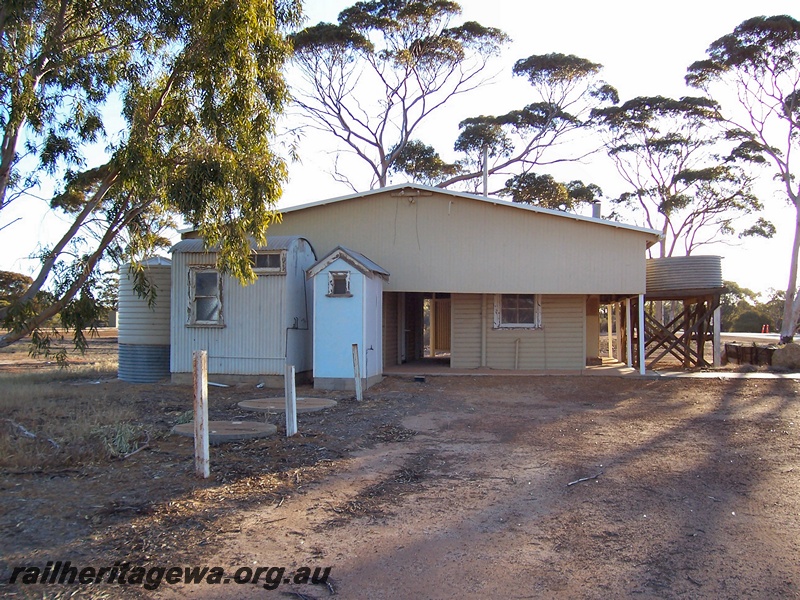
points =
(416, 328)
(436, 332)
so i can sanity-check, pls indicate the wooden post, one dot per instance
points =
(618, 323)
(717, 348)
(357, 373)
(628, 332)
(432, 325)
(484, 321)
(641, 335)
(291, 400)
(200, 372)
(610, 323)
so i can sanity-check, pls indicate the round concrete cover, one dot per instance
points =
(229, 431)
(273, 405)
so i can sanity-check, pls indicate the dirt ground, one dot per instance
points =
(456, 487)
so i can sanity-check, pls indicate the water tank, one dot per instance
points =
(144, 329)
(676, 273)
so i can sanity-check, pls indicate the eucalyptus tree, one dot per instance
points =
(565, 89)
(374, 77)
(667, 151)
(547, 192)
(760, 63)
(183, 94)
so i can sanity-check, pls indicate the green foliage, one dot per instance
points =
(200, 83)
(544, 191)
(759, 46)
(422, 162)
(760, 60)
(566, 88)
(743, 309)
(734, 301)
(751, 321)
(121, 439)
(665, 149)
(547, 69)
(411, 52)
(12, 286)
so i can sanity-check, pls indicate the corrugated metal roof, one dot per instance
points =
(274, 242)
(371, 265)
(416, 188)
(357, 259)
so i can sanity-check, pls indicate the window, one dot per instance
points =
(268, 262)
(517, 310)
(205, 297)
(339, 283)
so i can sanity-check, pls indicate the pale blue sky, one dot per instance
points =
(645, 48)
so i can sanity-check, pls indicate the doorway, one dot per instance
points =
(436, 334)
(416, 327)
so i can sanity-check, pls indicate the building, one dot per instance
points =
(249, 330)
(496, 285)
(512, 286)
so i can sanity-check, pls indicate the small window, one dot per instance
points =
(339, 283)
(517, 310)
(267, 262)
(205, 297)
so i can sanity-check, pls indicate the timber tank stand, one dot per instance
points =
(682, 311)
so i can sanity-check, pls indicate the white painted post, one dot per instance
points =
(717, 341)
(610, 321)
(641, 335)
(291, 400)
(618, 319)
(484, 321)
(628, 340)
(200, 372)
(357, 373)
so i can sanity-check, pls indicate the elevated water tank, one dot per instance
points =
(144, 329)
(676, 273)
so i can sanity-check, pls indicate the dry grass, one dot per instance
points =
(62, 417)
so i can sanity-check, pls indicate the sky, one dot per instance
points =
(645, 48)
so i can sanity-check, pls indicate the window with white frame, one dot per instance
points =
(205, 298)
(522, 311)
(339, 284)
(264, 263)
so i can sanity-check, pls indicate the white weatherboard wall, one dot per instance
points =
(266, 324)
(340, 322)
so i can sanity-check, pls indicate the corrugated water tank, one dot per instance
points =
(676, 273)
(144, 329)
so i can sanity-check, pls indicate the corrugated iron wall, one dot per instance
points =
(437, 243)
(684, 273)
(253, 338)
(144, 330)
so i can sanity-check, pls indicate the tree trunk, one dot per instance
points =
(790, 307)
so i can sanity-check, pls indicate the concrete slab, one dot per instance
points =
(229, 431)
(277, 405)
